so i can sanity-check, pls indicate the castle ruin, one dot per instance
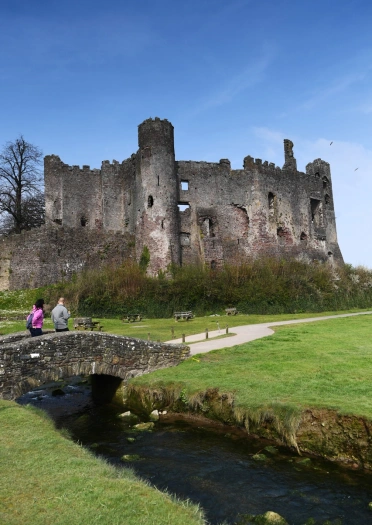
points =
(182, 212)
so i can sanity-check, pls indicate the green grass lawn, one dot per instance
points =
(47, 479)
(161, 329)
(326, 364)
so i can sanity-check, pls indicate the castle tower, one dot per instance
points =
(157, 195)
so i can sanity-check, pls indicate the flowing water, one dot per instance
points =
(223, 471)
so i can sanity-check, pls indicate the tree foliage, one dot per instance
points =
(21, 186)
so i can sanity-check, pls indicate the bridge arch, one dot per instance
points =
(26, 362)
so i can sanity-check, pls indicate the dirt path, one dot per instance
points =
(246, 333)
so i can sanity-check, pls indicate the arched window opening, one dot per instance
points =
(213, 265)
(83, 221)
(271, 201)
(208, 228)
(150, 201)
(316, 212)
(327, 198)
(303, 236)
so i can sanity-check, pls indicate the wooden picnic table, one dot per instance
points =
(86, 323)
(183, 315)
(131, 318)
(231, 311)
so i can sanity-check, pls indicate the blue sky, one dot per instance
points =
(234, 77)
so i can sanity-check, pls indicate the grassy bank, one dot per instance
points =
(48, 479)
(262, 286)
(323, 365)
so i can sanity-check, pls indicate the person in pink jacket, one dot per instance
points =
(38, 319)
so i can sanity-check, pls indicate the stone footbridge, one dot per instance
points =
(28, 362)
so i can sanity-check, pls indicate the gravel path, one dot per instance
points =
(246, 333)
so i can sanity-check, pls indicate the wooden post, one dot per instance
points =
(206, 333)
(148, 336)
(183, 338)
(227, 328)
(172, 332)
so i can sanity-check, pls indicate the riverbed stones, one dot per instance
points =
(272, 518)
(130, 457)
(144, 426)
(129, 416)
(259, 457)
(154, 416)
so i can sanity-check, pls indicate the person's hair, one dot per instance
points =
(39, 303)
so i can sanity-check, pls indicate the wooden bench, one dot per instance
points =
(183, 315)
(131, 318)
(86, 323)
(231, 311)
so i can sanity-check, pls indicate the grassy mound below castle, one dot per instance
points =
(262, 286)
(265, 286)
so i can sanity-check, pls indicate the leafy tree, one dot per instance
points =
(21, 197)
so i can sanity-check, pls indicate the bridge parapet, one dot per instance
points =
(28, 362)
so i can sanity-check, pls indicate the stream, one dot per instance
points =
(224, 471)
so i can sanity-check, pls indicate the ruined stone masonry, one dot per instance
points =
(182, 211)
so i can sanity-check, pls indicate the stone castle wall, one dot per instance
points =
(53, 254)
(182, 211)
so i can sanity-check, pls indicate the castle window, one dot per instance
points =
(271, 201)
(316, 212)
(183, 206)
(327, 198)
(325, 182)
(280, 232)
(213, 265)
(303, 236)
(184, 185)
(185, 239)
(150, 201)
(83, 221)
(207, 228)
(330, 254)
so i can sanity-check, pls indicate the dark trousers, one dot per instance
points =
(36, 332)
